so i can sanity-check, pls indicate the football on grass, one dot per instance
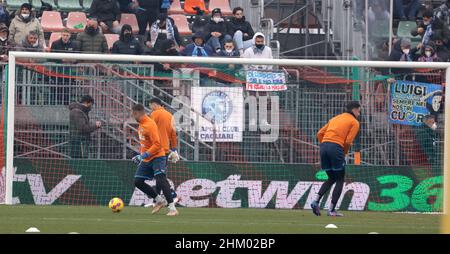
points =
(116, 205)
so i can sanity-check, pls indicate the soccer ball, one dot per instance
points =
(116, 205)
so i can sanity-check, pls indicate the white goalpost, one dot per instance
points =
(11, 95)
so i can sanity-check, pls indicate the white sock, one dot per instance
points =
(159, 199)
(172, 206)
(317, 198)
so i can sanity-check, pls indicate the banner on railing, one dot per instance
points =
(411, 101)
(264, 81)
(228, 185)
(222, 113)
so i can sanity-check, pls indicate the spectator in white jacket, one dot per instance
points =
(258, 50)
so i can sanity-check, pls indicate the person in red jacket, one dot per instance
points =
(151, 162)
(336, 138)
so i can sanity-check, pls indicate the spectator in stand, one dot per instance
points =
(4, 15)
(406, 9)
(258, 50)
(197, 47)
(217, 30)
(441, 50)
(65, 43)
(107, 13)
(429, 54)
(429, 26)
(127, 43)
(91, 40)
(5, 44)
(163, 28)
(23, 23)
(147, 13)
(241, 30)
(403, 52)
(167, 48)
(228, 50)
(31, 43)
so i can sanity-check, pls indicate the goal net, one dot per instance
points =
(246, 130)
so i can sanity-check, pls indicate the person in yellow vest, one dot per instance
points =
(336, 138)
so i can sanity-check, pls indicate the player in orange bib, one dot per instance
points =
(166, 126)
(151, 162)
(336, 138)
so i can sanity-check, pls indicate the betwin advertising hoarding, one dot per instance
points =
(225, 185)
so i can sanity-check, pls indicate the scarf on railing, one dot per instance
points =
(154, 32)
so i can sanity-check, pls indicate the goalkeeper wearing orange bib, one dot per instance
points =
(166, 126)
(336, 138)
(151, 162)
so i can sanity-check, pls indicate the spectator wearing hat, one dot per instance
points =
(5, 44)
(216, 30)
(23, 23)
(241, 30)
(198, 47)
(163, 28)
(127, 43)
(403, 52)
(441, 50)
(107, 13)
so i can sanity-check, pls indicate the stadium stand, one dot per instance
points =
(51, 21)
(182, 23)
(53, 37)
(69, 5)
(76, 21)
(224, 5)
(110, 39)
(189, 6)
(15, 4)
(175, 8)
(87, 4)
(130, 19)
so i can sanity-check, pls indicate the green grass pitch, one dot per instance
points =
(95, 219)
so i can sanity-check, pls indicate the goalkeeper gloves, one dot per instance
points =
(173, 156)
(140, 157)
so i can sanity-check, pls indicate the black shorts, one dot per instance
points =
(332, 156)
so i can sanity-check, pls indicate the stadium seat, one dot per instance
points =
(189, 4)
(15, 4)
(182, 24)
(37, 4)
(404, 30)
(224, 6)
(110, 39)
(74, 19)
(53, 37)
(51, 21)
(175, 8)
(87, 4)
(130, 19)
(69, 5)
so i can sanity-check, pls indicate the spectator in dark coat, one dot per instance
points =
(241, 30)
(198, 47)
(216, 30)
(91, 40)
(406, 9)
(65, 43)
(126, 6)
(5, 44)
(429, 26)
(80, 127)
(4, 15)
(163, 28)
(107, 13)
(441, 50)
(147, 13)
(403, 52)
(127, 43)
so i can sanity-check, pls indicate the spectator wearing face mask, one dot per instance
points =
(197, 48)
(429, 26)
(402, 51)
(5, 44)
(259, 50)
(228, 50)
(23, 23)
(31, 43)
(429, 54)
(91, 40)
(441, 50)
(127, 43)
(163, 28)
(216, 30)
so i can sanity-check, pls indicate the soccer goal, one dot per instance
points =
(246, 130)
